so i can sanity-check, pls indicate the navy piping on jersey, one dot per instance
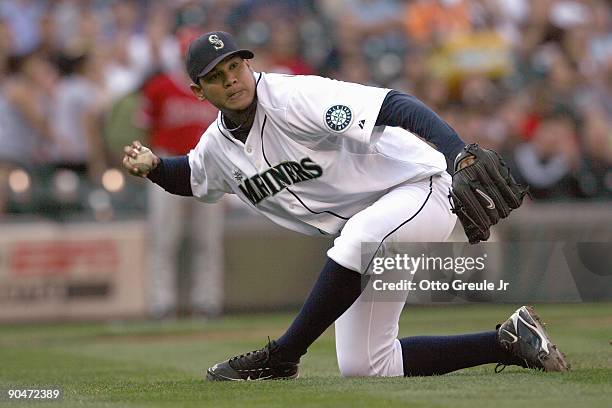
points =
(402, 224)
(231, 139)
(263, 151)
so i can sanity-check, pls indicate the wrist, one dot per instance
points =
(156, 171)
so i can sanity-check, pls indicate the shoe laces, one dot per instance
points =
(256, 356)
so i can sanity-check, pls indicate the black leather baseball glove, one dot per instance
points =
(483, 191)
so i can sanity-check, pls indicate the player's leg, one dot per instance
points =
(366, 335)
(367, 345)
(165, 220)
(206, 230)
(521, 340)
(334, 291)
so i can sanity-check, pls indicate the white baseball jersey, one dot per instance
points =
(313, 157)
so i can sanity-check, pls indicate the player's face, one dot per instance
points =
(229, 86)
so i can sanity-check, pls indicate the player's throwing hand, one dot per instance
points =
(139, 160)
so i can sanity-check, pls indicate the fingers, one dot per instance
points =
(131, 169)
(132, 151)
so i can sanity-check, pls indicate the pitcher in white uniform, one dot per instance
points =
(320, 156)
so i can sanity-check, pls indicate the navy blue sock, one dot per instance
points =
(434, 355)
(335, 291)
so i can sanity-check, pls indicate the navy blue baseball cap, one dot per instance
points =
(208, 50)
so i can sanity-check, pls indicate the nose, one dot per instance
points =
(230, 79)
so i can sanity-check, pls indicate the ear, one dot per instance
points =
(197, 91)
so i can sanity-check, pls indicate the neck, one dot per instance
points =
(243, 116)
(239, 122)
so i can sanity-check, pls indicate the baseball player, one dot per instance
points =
(320, 156)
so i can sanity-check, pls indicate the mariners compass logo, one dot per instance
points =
(338, 118)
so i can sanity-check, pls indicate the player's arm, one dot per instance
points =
(483, 190)
(173, 174)
(405, 111)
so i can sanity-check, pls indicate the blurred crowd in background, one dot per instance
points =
(530, 79)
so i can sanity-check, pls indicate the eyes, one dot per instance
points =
(214, 76)
(217, 75)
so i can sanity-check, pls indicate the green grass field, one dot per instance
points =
(142, 364)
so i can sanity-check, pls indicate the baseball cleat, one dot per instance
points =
(263, 364)
(523, 336)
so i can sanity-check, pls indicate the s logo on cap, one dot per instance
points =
(216, 42)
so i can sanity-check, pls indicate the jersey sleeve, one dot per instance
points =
(320, 106)
(207, 185)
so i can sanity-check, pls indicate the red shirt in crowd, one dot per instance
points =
(175, 117)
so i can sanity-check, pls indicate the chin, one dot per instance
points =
(241, 104)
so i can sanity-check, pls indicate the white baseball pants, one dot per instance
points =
(366, 334)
